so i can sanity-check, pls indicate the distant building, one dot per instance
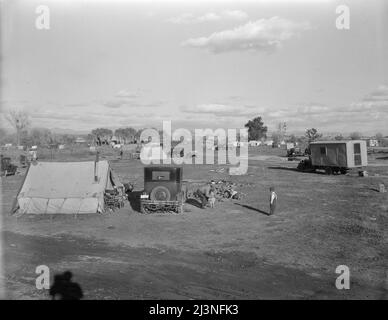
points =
(290, 145)
(254, 143)
(372, 142)
(80, 140)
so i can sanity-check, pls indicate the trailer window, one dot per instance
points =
(357, 148)
(323, 151)
(357, 154)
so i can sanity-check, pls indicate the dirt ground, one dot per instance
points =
(234, 251)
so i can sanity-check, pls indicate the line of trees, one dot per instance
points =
(104, 135)
(258, 131)
(36, 136)
(23, 135)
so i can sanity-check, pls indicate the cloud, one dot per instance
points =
(368, 114)
(261, 35)
(116, 103)
(375, 103)
(188, 18)
(130, 99)
(378, 95)
(221, 110)
(126, 94)
(235, 14)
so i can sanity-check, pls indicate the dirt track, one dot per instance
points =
(233, 251)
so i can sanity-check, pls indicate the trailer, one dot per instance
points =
(336, 156)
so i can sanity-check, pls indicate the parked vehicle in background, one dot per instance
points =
(7, 168)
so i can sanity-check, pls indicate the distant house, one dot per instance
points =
(80, 140)
(238, 144)
(290, 145)
(254, 143)
(372, 142)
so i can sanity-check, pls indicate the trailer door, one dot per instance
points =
(357, 154)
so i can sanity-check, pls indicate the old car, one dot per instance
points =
(7, 168)
(162, 190)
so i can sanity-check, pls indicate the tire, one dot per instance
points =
(328, 170)
(227, 194)
(160, 193)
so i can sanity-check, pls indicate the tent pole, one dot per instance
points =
(15, 201)
(96, 167)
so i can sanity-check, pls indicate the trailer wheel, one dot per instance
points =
(227, 194)
(328, 170)
(343, 171)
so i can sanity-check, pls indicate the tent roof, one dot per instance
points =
(65, 180)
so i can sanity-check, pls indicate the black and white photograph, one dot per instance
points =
(211, 150)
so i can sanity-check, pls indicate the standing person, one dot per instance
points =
(203, 193)
(273, 198)
(212, 197)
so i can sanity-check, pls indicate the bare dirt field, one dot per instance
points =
(234, 251)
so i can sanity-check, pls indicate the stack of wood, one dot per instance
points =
(114, 199)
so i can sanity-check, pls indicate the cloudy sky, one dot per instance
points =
(201, 64)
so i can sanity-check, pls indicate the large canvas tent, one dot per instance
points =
(65, 187)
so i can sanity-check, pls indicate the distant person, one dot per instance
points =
(272, 201)
(33, 155)
(212, 197)
(65, 289)
(121, 153)
(184, 191)
(203, 193)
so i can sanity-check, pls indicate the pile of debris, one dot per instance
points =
(115, 198)
(227, 190)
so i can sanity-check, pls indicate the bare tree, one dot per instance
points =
(282, 130)
(19, 119)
